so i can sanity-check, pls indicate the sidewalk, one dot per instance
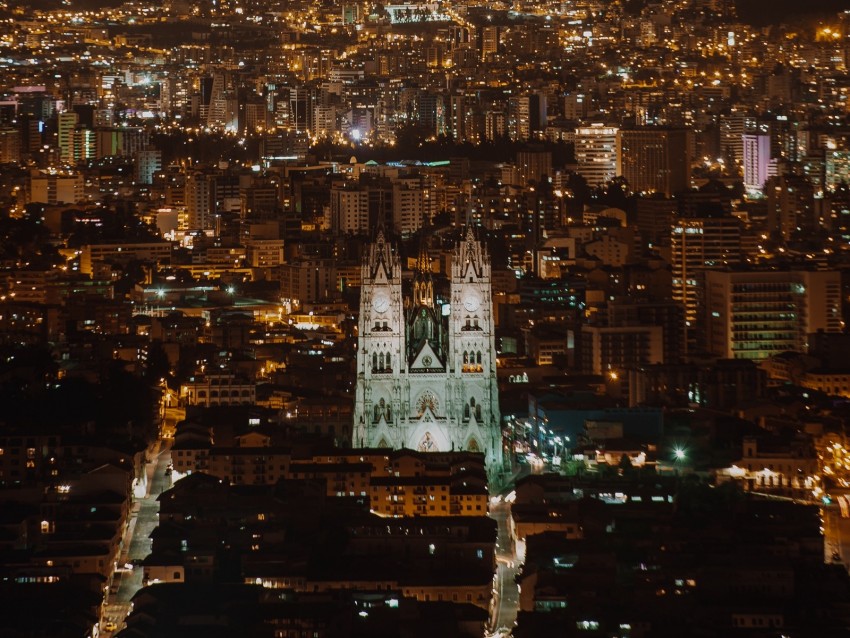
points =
(153, 453)
(128, 534)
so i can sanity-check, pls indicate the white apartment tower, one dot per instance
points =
(597, 153)
(756, 160)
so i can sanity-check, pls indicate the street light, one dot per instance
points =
(679, 453)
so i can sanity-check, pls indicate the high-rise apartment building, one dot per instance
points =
(611, 349)
(54, 187)
(733, 125)
(790, 205)
(533, 165)
(495, 125)
(10, 145)
(489, 40)
(66, 124)
(655, 159)
(349, 209)
(837, 168)
(756, 160)
(597, 153)
(526, 116)
(223, 109)
(148, 163)
(654, 216)
(413, 203)
(575, 106)
(457, 107)
(757, 314)
(199, 201)
(699, 243)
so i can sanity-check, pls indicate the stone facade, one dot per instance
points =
(426, 367)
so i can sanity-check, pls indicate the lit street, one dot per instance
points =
(836, 536)
(506, 595)
(137, 545)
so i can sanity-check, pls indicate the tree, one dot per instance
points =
(616, 193)
(157, 366)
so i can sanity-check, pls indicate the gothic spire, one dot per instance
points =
(423, 261)
(471, 252)
(423, 285)
(380, 256)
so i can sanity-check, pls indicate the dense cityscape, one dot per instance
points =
(437, 318)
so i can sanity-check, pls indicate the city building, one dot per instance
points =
(655, 159)
(426, 367)
(152, 252)
(412, 203)
(200, 201)
(607, 350)
(597, 153)
(757, 314)
(349, 209)
(56, 187)
(533, 165)
(148, 164)
(699, 243)
(213, 389)
(790, 205)
(756, 161)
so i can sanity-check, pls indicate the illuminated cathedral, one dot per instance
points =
(426, 368)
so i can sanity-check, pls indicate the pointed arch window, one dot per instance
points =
(472, 407)
(382, 409)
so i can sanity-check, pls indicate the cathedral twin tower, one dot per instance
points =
(426, 369)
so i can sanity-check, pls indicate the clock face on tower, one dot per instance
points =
(471, 301)
(381, 302)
